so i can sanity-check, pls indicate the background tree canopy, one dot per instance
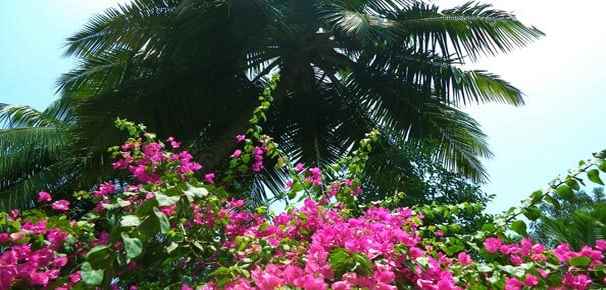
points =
(193, 69)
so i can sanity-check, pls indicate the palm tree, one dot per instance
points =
(34, 152)
(38, 153)
(192, 68)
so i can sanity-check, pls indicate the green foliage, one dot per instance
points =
(189, 69)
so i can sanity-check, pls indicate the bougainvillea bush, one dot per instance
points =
(176, 226)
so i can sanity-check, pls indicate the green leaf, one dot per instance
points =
(99, 255)
(564, 191)
(484, 268)
(554, 279)
(133, 246)
(573, 183)
(532, 213)
(193, 191)
(341, 261)
(594, 176)
(554, 202)
(165, 200)
(580, 261)
(363, 265)
(130, 221)
(536, 196)
(602, 166)
(162, 220)
(90, 276)
(519, 227)
(222, 275)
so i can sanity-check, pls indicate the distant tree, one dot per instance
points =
(578, 222)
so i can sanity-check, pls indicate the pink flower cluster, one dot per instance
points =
(315, 176)
(104, 190)
(320, 245)
(320, 231)
(527, 251)
(145, 168)
(258, 153)
(33, 266)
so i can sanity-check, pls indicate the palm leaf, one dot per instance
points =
(471, 29)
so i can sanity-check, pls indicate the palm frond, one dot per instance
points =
(131, 26)
(441, 75)
(472, 29)
(12, 116)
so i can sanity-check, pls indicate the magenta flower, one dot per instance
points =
(173, 143)
(316, 176)
(464, 258)
(531, 280)
(513, 284)
(236, 153)
(209, 178)
(240, 138)
(39, 278)
(104, 190)
(61, 205)
(492, 245)
(74, 277)
(4, 237)
(600, 245)
(44, 196)
(299, 167)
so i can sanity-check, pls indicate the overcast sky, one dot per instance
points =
(563, 76)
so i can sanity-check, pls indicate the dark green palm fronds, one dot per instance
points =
(193, 69)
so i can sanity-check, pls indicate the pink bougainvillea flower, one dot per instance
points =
(299, 167)
(492, 245)
(236, 153)
(44, 196)
(74, 277)
(209, 178)
(531, 280)
(173, 143)
(513, 284)
(600, 245)
(464, 258)
(61, 205)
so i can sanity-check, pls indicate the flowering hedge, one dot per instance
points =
(175, 226)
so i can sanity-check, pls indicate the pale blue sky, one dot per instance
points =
(563, 76)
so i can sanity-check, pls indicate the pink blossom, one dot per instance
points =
(464, 258)
(492, 245)
(61, 205)
(316, 176)
(531, 280)
(209, 178)
(236, 153)
(74, 277)
(44, 196)
(4, 237)
(173, 143)
(240, 138)
(513, 284)
(341, 285)
(39, 278)
(299, 167)
(104, 190)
